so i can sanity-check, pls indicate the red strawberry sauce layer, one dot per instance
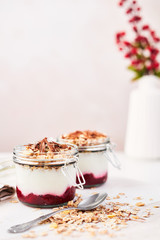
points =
(91, 180)
(47, 199)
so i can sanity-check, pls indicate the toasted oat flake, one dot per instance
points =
(135, 217)
(136, 209)
(111, 216)
(53, 225)
(14, 201)
(140, 204)
(92, 232)
(43, 234)
(29, 235)
(108, 198)
(65, 212)
(112, 235)
(103, 231)
(117, 197)
(68, 232)
(138, 198)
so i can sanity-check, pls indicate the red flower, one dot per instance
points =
(135, 29)
(145, 27)
(156, 39)
(121, 3)
(153, 66)
(127, 44)
(135, 19)
(131, 53)
(134, 51)
(141, 51)
(136, 62)
(128, 55)
(119, 36)
(153, 51)
(142, 40)
(152, 33)
(129, 10)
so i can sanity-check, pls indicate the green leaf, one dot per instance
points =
(138, 72)
(133, 69)
(157, 73)
(136, 78)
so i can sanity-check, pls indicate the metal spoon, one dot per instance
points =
(87, 204)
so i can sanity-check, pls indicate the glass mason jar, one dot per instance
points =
(93, 162)
(93, 158)
(47, 182)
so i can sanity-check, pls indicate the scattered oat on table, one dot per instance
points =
(14, 201)
(107, 219)
(43, 234)
(31, 234)
(140, 204)
(156, 206)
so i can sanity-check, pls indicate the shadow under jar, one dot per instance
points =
(47, 179)
(95, 150)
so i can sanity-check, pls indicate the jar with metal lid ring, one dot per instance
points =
(93, 162)
(47, 182)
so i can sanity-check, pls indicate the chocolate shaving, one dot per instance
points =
(44, 146)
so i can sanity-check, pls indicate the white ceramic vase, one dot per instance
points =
(143, 128)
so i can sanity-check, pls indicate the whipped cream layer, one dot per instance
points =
(93, 162)
(40, 181)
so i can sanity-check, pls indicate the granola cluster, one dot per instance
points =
(85, 138)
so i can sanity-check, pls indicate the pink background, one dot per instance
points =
(60, 69)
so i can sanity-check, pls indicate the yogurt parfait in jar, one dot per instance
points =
(46, 173)
(95, 150)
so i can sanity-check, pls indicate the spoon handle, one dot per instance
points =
(26, 226)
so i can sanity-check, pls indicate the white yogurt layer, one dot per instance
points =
(93, 162)
(43, 181)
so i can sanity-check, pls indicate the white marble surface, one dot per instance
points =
(137, 178)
